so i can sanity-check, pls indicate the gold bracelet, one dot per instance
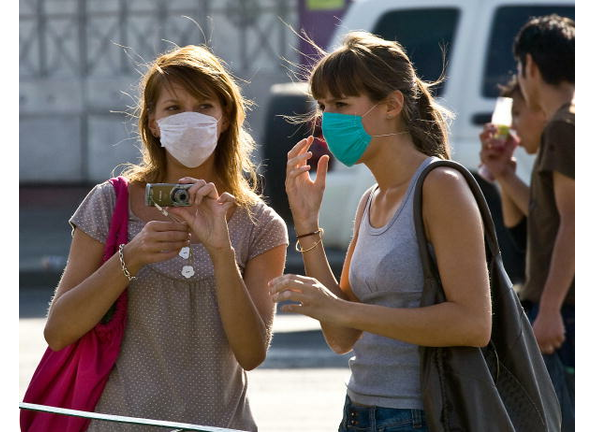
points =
(123, 264)
(301, 250)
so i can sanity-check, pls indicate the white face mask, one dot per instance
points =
(189, 137)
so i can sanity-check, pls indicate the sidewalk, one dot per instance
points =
(44, 235)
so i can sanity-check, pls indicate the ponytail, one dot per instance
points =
(427, 122)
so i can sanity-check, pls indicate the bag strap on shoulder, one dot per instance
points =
(489, 227)
(118, 227)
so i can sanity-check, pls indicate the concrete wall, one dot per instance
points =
(77, 81)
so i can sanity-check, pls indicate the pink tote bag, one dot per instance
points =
(75, 376)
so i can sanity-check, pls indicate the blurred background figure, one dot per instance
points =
(545, 54)
(498, 157)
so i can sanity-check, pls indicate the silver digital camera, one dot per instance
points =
(167, 194)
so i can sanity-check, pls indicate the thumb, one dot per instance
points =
(181, 213)
(322, 170)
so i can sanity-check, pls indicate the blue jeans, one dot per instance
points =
(359, 418)
(561, 364)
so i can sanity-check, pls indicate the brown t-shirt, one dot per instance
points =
(556, 153)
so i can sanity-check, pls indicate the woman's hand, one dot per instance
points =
(315, 300)
(207, 216)
(157, 241)
(305, 195)
(496, 154)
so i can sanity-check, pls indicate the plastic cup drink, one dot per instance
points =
(502, 117)
(502, 120)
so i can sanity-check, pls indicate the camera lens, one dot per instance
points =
(180, 196)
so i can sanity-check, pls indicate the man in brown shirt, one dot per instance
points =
(545, 51)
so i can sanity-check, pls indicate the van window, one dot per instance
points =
(425, 34)
(507, 22)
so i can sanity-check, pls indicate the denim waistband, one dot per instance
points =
(372, 417)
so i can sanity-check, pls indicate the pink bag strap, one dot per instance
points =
(118, 229)
(117, 235)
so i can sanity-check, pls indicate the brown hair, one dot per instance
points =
(202, 74)
(511, 88)
(367, 64)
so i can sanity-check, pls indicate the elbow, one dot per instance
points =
(341, 349)
(481, 337)
(251, 362)
(481, 341)
(53, 339)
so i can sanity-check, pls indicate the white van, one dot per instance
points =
(477, 36)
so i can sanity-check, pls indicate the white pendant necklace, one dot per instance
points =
(187, 271)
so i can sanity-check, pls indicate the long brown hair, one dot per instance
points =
(203, 75)
(367, 64)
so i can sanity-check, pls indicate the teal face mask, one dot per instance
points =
(346, 137)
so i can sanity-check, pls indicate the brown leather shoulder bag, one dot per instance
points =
(502, 387)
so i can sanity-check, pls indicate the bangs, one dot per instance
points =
(338, 75)
(193, 81)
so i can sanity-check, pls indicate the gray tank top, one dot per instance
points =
(386, 270)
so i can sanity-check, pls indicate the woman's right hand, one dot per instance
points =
(497, 155)
(157, 241)
(304, 194)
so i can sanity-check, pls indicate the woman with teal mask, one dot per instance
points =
(377, 112)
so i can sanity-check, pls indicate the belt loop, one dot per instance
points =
(417, 418)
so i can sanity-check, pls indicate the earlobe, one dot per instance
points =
(224, 124)
(395, 103)
(530, 66)
(152, 124)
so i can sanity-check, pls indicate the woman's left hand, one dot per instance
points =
(314, 299)
(207, 216)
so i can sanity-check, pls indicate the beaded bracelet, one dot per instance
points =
(123, 264)
(301, 250)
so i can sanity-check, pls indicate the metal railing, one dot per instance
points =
(177, 427)
(82, 38)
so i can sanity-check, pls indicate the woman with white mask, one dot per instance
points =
(191, 335)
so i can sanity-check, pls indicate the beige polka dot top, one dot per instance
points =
(175, 362)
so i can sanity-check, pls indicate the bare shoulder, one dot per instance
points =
(443, 185)
(448, 201)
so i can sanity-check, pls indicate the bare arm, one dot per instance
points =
(548, 326)
(516, 192)
(497, 156)
(87, 289)
(340, 339)
(454, 227)
(512, 214)
(305, 197)
(246, 309)
(85, 292)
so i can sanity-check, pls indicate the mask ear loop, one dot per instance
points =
(383, 135)
(369, 110)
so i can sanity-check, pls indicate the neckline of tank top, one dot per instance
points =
(409, 190)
